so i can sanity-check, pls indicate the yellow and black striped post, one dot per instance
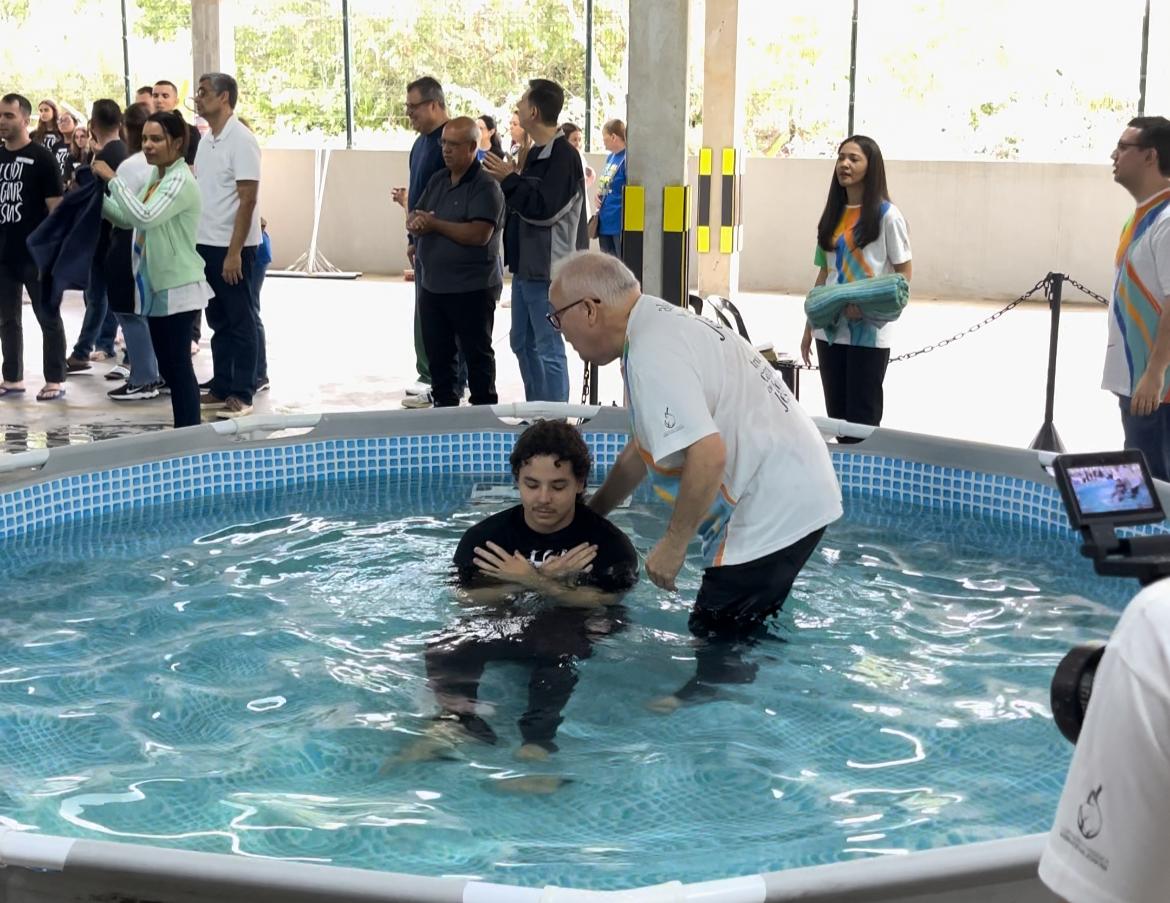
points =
(703, 235)
(676, 246)
(729, 202)
(633, 227)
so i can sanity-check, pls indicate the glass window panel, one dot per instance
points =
(997, 80)
(794, 60)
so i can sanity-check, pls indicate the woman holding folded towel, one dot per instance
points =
(860, 235)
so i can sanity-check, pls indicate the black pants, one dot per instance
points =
(852, 378)
(171, 337)
(454, 322)
(552, 642)
(731, 607)
(611, 244)
(231, 314)
(46, 305)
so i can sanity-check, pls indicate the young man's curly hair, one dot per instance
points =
(558, 440)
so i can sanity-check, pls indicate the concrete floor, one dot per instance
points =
(348, 346)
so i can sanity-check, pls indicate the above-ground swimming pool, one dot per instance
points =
(224, 652)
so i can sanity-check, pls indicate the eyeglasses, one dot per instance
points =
(411, 107)
(1122, 145)
(445, 143)
(555, 317)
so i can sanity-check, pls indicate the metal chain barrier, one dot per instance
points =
(1086, 291)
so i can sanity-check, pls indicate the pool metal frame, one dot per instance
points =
(41, 489)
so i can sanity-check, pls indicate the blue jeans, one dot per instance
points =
(139, 349)
(1149, 434)
(98, 327)
(538, 347)
(232, 316)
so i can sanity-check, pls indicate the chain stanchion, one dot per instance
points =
(1047, 439)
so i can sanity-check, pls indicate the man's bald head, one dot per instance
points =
(590, 300)
(461, 128)
(591, 274)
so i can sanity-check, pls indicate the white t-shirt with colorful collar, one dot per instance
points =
(850, 263)
(687, 378)
(1141, 285)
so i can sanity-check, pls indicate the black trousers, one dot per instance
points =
(231, 314)
(171, 337)
(552, 643)
(454, 322)
(731, 607)
(46, 305)
(852, 378)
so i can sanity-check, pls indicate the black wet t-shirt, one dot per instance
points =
(615, 569)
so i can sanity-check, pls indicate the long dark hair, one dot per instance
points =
(869, 223)
(42, 130)
(489, 123)
(174, 126)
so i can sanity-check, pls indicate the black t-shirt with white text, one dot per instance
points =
(615, 569)
(28, 177)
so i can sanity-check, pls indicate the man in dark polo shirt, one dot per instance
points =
(457, 225)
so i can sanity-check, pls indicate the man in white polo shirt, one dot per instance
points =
(725, 443)
(227, 167)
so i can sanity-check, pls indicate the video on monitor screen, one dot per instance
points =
(1104, 488)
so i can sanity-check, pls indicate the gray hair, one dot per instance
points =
(222, 83)
(591, 274)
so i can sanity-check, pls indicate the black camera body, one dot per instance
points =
(1102, 492)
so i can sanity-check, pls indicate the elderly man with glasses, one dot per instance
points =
(724, 442)
(456, 228)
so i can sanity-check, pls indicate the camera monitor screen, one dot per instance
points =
(1113, 487)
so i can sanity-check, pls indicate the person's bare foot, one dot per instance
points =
(542, 784)
(532, 752)
(664, 705)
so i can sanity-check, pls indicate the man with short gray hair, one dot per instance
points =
(723, 440)
(456, 228)
(227, 167)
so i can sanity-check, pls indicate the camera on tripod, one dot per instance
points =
(1102, 492)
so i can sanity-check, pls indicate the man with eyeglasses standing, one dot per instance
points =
(426, 107)
(456, 227)
(1137, 353)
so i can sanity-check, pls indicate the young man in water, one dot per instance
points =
(547, 576)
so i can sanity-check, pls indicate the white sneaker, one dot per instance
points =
(418, 389)
(422, 400)
(118, 371)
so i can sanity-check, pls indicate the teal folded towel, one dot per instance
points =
(880, 298)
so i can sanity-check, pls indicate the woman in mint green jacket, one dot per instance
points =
(168, 271)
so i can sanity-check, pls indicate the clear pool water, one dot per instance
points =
(236, 675)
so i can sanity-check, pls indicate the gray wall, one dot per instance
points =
(979, 230)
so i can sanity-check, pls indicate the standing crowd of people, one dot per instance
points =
(473, 209)
(155, 223)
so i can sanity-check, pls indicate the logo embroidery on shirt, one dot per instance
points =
(1089, 818)
(669, 420)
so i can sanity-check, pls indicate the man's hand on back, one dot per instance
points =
(664, 562)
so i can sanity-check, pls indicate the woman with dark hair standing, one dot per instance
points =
(47, 132)
(860, 235)
(168, 271)
(489, 138)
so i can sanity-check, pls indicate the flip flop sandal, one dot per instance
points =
(6, 391)
(50, 395)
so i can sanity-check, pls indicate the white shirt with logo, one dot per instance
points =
(220, 161)
(688, 378)
(1110, 842)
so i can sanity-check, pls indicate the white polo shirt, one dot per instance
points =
(222, 160)
(687, 378)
